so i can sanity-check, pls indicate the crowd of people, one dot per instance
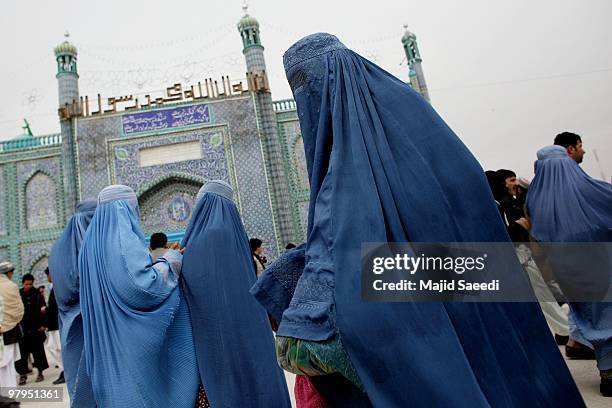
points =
(210, 322)
(29, 329)
(584, 329)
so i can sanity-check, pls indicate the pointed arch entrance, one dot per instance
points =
(166, 204)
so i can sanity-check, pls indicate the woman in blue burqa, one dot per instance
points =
(138, 342)
(64, 268)
(566, 205)
(384, 167)
(233, 337)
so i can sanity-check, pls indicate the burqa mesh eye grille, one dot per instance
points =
(298, 79)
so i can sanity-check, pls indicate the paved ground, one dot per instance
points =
(53, 373)
(50, 376)
(585, 374)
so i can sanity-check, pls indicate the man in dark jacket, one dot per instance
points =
(511, 206)
(54, 346)
(33, 325)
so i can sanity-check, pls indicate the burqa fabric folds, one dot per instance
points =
(275, 287)
(567, 205)
(138, 342)
(233, 337)
(384, 167)
(64, 269)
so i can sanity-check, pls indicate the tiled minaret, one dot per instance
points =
(413, 56)
(69, 107)
(278, 185)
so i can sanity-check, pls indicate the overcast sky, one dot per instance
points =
(505, 75)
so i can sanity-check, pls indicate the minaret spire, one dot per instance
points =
(413, 57)
(249, 30)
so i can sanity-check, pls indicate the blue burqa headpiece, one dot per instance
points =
(234, 342)
(138, 341)
(384, 167)
(567, 205)
(64, 269)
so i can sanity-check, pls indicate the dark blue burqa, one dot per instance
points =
(567, 205)
(64, 268)
(383, 166)
(232, 334)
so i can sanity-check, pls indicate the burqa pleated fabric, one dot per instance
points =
(384, 167)
(567, 205)
(138, 342)
(233, 337)
(64, 268)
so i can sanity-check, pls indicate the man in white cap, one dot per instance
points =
(10, 328)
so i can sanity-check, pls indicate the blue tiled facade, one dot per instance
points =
(31, 203)
(240, 136)
(243, 138)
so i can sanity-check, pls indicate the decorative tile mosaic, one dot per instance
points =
(298, 159)
(38, 270)
(126, 169)
(303, 212)
(3, 254)
(168, 208)
(18, 167)
(32, 255)
(252, 194)
(70, 174)
(38, 182)
(294, 159)
(278, 183)
(255, 60)
(26, 169)
(41, 202)
(232, 151)
(92, 134)
(3, 204)
(68, 88)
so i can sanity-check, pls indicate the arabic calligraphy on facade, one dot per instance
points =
(165, 119)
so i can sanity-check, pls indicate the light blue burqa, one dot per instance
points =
(567, 205)
(63, 266)
(138, 342)
(233, 337)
